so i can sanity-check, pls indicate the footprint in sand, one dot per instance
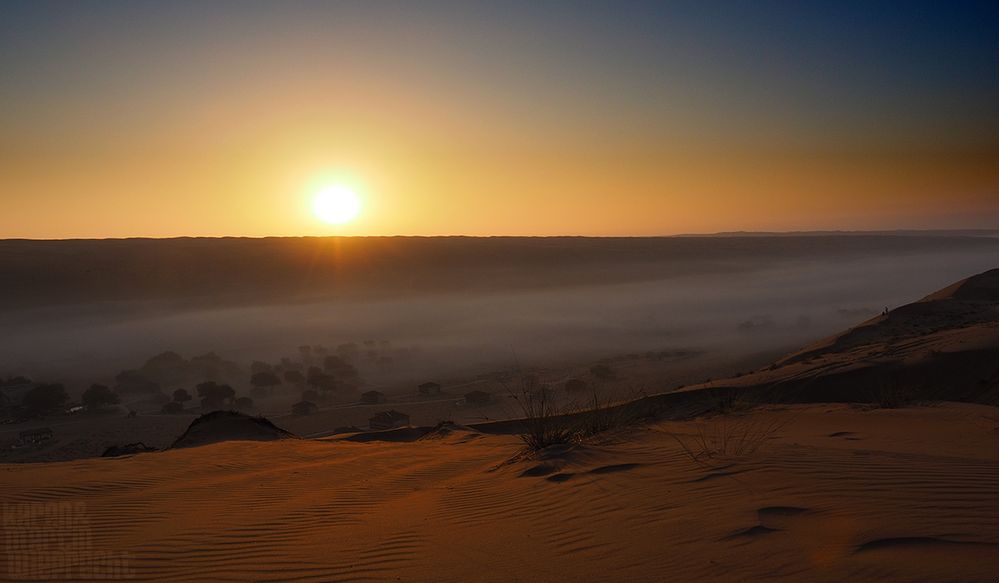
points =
(538, 470)
(917, 542)
(771, 519)
(751, 532)
(563, 477)
(614, 468)
(780, 511)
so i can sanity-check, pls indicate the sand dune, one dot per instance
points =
(838, 494)
(943, 347)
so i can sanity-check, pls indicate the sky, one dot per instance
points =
(217, 118)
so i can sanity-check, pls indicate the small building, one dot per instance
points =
(302, 408)
(373, 397)
(478, 398)
(38, 435)
(430, 389)
(388, 420)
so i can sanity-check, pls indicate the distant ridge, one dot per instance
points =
(895, 233)
(833, 233)
(229, 271)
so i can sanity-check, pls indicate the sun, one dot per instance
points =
(336, 205)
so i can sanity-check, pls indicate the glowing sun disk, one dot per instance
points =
(336, 205)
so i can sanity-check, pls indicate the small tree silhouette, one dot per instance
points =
(265, 379)
(294, 377)
(99, 396)
(215, 396)
(45, 398)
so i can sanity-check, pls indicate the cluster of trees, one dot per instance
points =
(348, 352)
(171, 369)
(380, 353)
(264, 382)
(14, 381)
(213, 396)
(45, 398)
(51, 397)
(99, 397)
(329, 373)
(336, 375)
(318, 374)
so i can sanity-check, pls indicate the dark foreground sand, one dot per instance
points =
(836, 493)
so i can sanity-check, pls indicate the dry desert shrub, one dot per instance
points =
(547, 422)
(732, 429)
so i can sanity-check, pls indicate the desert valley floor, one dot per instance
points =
(836, 493)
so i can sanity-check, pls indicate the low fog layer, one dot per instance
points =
(779, 302)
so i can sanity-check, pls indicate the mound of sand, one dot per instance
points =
(219, 426)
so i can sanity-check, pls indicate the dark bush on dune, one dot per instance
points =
(219, 426)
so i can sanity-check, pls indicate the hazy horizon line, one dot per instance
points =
(791, 233)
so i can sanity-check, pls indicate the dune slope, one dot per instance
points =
(943, 347)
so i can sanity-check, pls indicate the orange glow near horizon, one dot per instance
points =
(453, 124)
(265, 190)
